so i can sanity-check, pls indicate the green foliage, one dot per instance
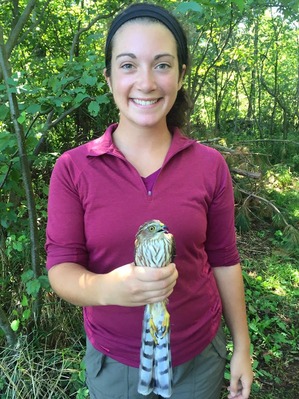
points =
(31, 372)
(272, 286)
(21, 314)
(189, 6)
(271, 290)
(244, 84)
(242, 219)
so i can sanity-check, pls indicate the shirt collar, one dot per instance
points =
(104, 144)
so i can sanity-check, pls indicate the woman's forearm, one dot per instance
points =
(128, 285)
(230, 284)
(75, 284)
(231, 289)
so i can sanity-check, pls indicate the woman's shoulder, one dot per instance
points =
(76, 155)
(92, 148)
(205, 148)
(206, 153)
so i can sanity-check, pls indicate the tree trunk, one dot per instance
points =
(25, 169)
(252, 91)
(10, 335)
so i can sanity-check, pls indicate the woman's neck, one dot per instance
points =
(144, 148)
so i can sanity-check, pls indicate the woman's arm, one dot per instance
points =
(128, 285)
(230, 284)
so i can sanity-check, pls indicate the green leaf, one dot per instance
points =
(240, 4)
(103, 99)
(4, 110)
(45, 190)
(7, 140)
(21, 119)
(44, 282)
(33, 287)
(255, 364)
(12, 90)
(12, 82)
(88, 80)
(227, 375)
(24, 301)
(91, 80)
(15, 325)
(58, 102)
(18, 246)
(93, 108)
(27, 276)
(82, 375)
(80, 97)
(26, 314)
(33, 109)
(189, 6)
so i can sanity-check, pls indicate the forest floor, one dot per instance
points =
(271, 277)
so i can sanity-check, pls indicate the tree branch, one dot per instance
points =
(251, 195)
(274, 95)
(82, 30)
(252, 175)
(14, 34)
(24, 165)
(50, 124)
(68, 112)
(268, 141)
(36, 23)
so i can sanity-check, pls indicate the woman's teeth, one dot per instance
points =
(144, 102)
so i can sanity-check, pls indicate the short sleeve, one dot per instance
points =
(65, 239)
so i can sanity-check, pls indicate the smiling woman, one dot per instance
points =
(144, 80)
(144, 168)
(156, 15)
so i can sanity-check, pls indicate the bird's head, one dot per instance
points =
(151, 229)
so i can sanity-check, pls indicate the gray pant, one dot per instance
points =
(200, 378)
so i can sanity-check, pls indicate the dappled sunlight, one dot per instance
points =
(271, 278)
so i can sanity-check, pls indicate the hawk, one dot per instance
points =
(155, 247)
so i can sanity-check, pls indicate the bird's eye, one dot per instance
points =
(152, 229)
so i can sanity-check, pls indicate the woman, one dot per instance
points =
(143, 168)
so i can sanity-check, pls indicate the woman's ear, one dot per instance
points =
(183, 72)
(108, 79)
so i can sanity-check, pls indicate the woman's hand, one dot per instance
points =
(241, 376)
(128, 285)
(131, 285)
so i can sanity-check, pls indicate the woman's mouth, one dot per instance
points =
(144, 103)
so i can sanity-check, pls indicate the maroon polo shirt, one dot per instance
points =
(97, 201)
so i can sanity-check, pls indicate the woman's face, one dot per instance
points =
(145, 75)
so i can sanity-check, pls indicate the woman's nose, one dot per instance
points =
(147, 81)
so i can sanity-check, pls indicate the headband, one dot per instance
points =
(150, 11)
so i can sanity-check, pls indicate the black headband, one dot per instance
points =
(150, 11)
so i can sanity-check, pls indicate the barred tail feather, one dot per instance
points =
(145, 385)
(155, 371)
(163, 368)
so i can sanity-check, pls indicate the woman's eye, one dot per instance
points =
(163, 66)
(126, 66)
